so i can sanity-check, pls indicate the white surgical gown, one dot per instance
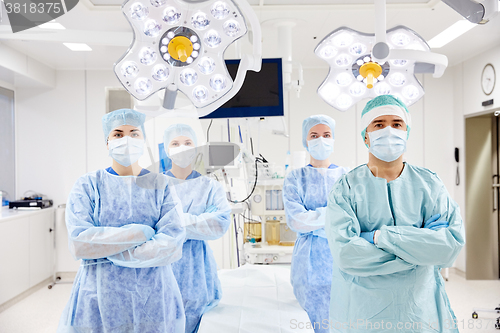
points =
(305, 195)
(116, 223)
(196, 271)
(394, 285)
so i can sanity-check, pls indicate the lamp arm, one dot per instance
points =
(251, 62)
(256, 61)
(440, 61)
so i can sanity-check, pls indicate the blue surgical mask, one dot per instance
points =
(126, 150)
(320, 148)
(388, 144)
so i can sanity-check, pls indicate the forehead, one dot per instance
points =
(126, 128)
(181, 139)
(320, 128)
(387, 118)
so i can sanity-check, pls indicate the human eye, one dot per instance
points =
(117, 135)
(327, 136)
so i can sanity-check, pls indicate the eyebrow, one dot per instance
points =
(117, 130)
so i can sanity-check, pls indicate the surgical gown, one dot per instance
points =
(116, 223)
(305, 195)
(395, 285)
(196, 271)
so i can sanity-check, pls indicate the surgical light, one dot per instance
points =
(200, 93)
(343, 60)
(138, 11)
(171, 15)
(143, 86)
(364, 65)
(212, 39)
(220, 10)
(160, 72)
(158, 3)
(189, 77)
(218, 82)
(327, 52)
(179, 45)
(130, 69)
(152, 28)
(200, 21)
(206, 65)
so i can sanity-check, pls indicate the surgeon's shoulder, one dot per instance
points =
(424, 174)
(87, 184)
(90, 177)
(297, 173)
(348, 178)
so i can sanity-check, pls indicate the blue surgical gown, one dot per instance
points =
(196, 271)
(397, 281)
(305, 195)
(116, 224)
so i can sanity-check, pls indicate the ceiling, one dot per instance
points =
(107, 31)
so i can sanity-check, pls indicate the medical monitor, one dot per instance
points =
(260, 96)
(220, 155)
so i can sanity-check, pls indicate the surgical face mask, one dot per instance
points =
(388, 144)
(320, 148)
(182, 156)
(126, 150)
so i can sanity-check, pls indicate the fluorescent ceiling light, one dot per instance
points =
(77, 46)
(449, 34)
(52, 25)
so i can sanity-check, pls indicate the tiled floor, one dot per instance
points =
(40, 312)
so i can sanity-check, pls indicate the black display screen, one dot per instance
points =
(261, 94)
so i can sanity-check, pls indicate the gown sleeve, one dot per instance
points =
(165, 246)
(87, 241)
(209, 226)
(298, 218)
(353, 254)
(421, 246)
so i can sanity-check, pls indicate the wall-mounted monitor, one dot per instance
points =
(260, 96)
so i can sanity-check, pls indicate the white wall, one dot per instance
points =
(50, 136)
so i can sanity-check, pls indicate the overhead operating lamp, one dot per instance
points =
(179, 46)
(366, 65)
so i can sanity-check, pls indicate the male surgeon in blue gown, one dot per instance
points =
(391, 227)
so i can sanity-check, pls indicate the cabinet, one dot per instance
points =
(26, 250)
(14, 251)
(41, 246)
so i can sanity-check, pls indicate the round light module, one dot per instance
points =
(180, 49)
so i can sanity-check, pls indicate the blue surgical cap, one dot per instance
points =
(121, 117)
(177, 130)
(312, 121)
(384, 105)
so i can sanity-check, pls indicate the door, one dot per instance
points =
(482, 199)
(7, 144)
